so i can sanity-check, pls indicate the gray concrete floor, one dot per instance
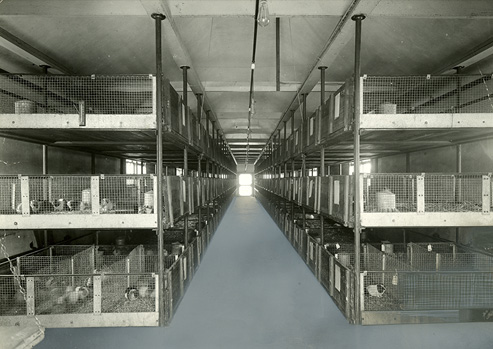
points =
(252, 290)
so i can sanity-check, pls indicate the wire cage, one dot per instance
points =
(429, 276)
(77, 194)
(433, 192)
(71, 281)
(427, 94)
(10, 194)
(57, 94)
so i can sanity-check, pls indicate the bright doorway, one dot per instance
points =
(245, 181)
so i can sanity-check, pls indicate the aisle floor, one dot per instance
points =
(252, 290)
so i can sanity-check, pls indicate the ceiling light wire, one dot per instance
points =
(252, 71)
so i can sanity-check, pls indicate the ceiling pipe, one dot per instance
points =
(251, 102)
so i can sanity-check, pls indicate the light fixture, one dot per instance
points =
(263, 14)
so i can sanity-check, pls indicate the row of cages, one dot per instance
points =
(104, 95)
(423, 282)
(85, 197)
(102, 285)
(387, 95)
(436, 199)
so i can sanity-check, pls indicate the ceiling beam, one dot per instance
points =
(476, 54)
(98, 143)
(243, 8)
(244, 86)
(29, 53)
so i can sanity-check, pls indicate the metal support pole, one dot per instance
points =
(303, 118)
(279, 144)
(303, 165)
(213, 139)
(185, 223)
(357, 204)
(278, 54)
(185, 176)
(218, 141)
(93, 163)
(45, 188)
(284, 142)
(45, 88)
(199, 107)
(322, 174)
(123, 166)
(185, 87)
(303, 174)
(159, 164)
(207, 123)
(322, 151)
(293, 142)
(322, 87)
(458, 191)
(292, 197)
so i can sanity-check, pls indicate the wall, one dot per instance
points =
(17, 157)
(20, 157)
(476, 157)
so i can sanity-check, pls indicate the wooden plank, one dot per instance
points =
(78, 221)
(427, 219)
(426, 121)
(85, 320)
(71, 121)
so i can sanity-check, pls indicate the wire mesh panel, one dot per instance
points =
(118, 297)
(445, 290)
(84, 261)
(63, 250)
(172, 187)
(427, 94)
(10, 195)
(111, 264)
(340, 207)
(389, 193)
(59, 194)
(30, 265)
(325, 268)
(176, 282)
(382, 291)
(57, 94)
(312, 253)
(62, 295)
(12, 301)
(126, 194)
(123, 194)
(453, 193)
(425, 192)
(342, 287)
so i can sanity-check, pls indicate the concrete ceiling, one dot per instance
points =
(214, 37)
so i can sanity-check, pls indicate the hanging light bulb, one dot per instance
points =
(263, 14)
